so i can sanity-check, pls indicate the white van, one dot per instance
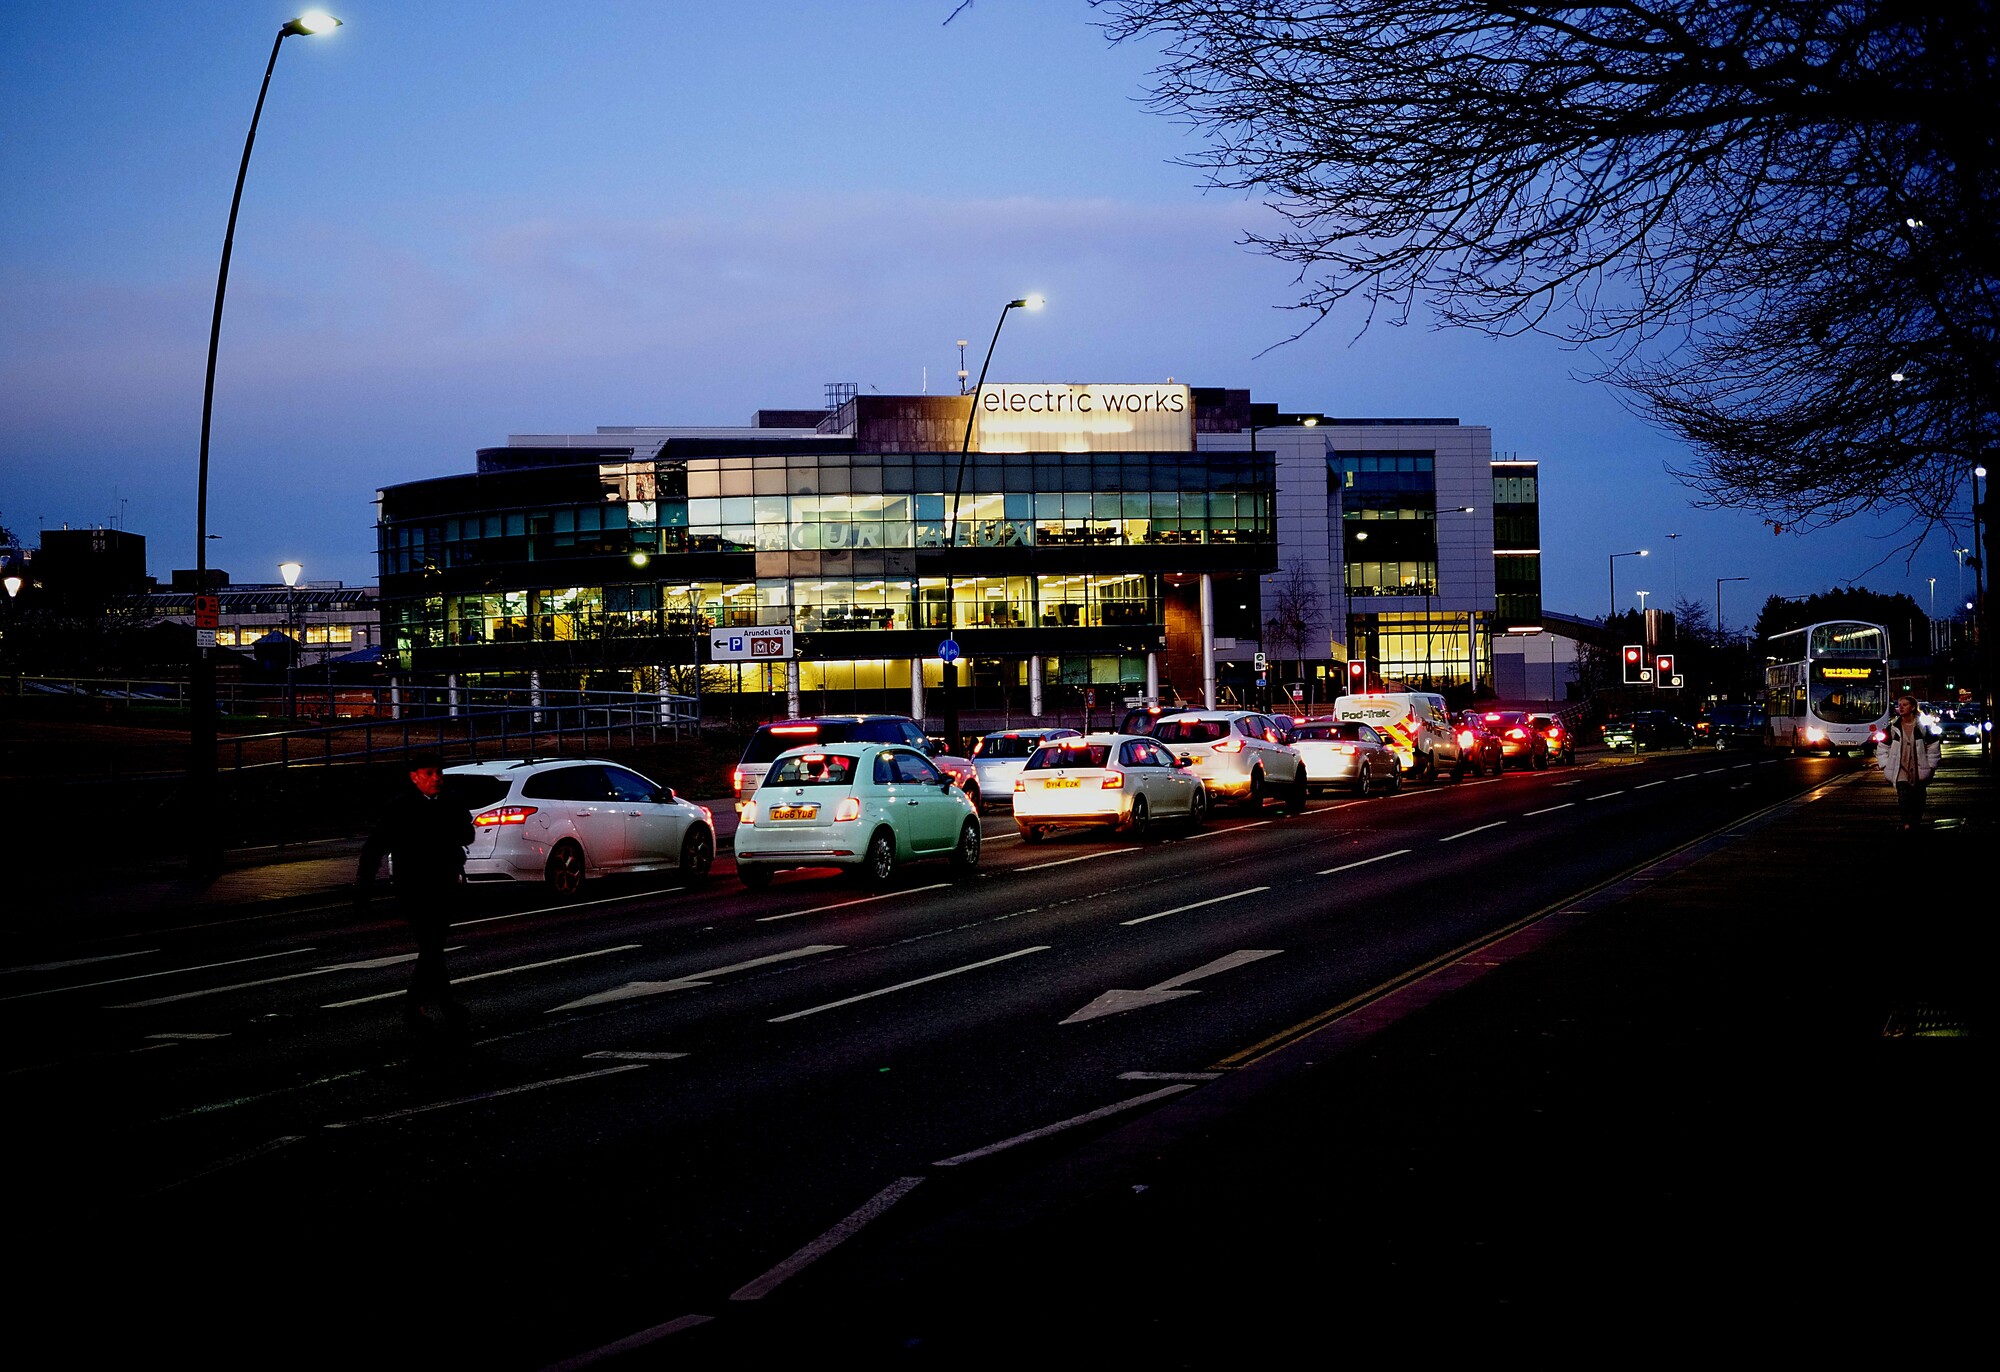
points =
(1415, 725)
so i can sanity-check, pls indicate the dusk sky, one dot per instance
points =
(469, 220)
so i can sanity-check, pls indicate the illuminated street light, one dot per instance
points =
(1636, 552)
(201, 683)
(950, 673)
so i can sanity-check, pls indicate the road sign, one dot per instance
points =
(204, 638)
(948, 650)
(750, 645)
(208, 612)
(1260, 662)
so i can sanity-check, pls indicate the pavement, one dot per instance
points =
(1728, 1106)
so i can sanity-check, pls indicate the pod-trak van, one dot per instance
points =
(1415, 725)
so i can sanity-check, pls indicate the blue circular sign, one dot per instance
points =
(948, 650)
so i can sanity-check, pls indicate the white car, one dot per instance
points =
(999, 756)
(1115, 781)
(864, 807)
(563, 821)
(1239, 755)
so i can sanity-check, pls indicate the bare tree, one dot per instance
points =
(1751, 213)
(1292, 629)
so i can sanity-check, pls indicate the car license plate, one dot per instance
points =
(1060, 784)
(794, 811)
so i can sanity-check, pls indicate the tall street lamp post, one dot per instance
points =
(290, 572)
(1613, 561)
(201, 684)
(1982, 542)
(948, 650)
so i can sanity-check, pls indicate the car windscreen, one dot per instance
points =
(813, 769)
(1191, 730)
(1007, 746)
(1055, 755)
(473, 790)
(778, 738)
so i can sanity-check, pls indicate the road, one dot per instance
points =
(675, 1099)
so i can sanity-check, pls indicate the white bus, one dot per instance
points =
(1827, 687)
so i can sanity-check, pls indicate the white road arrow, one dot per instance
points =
(631, 990)
(1117, 1002)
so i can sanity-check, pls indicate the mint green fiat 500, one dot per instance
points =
(865, 807)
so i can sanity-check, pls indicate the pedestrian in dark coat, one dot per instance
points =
(1909, 754)
(425, 836)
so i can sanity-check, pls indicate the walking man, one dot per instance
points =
(1908, 755)
(425, 835)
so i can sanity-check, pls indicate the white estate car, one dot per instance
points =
(1239, 755)
(865, 807)
(999, 756)
(1117, 781)
(564, 820)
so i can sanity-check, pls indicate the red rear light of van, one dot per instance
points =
(506, 814)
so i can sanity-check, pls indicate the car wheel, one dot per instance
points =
(565, 871)
(1541, 762)
(965, 856)
(697, 855)
(1031, 833)
(1395, 779)
(1140, 820)
(1295, 800)
(1198, 808)
(1460, 768)
(756, 878)
(1253, 799)
(879, 863)
(978, 800)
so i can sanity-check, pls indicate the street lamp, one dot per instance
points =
(1636, 552)
(1718, 605)
(201, 685)
(948, 650)
(290, 572)
(1642, 601)
(1982, 542)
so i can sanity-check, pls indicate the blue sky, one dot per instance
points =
(468, 220)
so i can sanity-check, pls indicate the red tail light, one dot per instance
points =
(1019, 785)
(1114, 781)
(1555, 731)
(1516, 733)
(849, 808)
(736, 781)
(1465, 738)
(1228, 745)
(1348, 748)
(506, 814)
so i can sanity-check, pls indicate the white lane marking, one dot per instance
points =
(1348, 867)
(1081, 857)
(192, 1038)
(1118, 1002)
(484, 1095)
(245, 1156)
(906, 985)
(1469, 832)
(1604, 795)
(369, 965)
(1688, 776)
(1566, 805)
(1740, 766)
(144, 976)
(79, 962)
(877, 1205)
(632, 989)
(497, 972)
(635, 1056)
(1577, 782)
(1217, 833)
(1714, 771)
(566, 906)
(1103, 1113)
(1644, 784)
(1169, 1076)
(1213, 900)
(860, 900)
(628, 1343)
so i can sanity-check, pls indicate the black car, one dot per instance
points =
(1731, 726)
(1646, 730)
(1479, 746)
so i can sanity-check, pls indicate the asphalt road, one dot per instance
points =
(672, 1096)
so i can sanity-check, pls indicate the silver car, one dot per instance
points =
(1239, 755)
(998, 757)
(1346, 752)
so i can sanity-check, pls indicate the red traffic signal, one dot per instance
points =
(1665, 664)
(1635, 664)
(1357, 675)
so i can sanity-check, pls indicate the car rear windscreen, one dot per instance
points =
(1007, 745)
(473, 791)
(1324, 732)
(1191, 730)
(778, 738)
(1089, 755)
(813, 769)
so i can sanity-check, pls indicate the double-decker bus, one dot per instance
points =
(1827, 687)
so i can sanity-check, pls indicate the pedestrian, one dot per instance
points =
(1908, 754)
(425, 835)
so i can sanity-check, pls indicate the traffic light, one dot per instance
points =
(1663, 668)
(1357, 675)
(1635, 664)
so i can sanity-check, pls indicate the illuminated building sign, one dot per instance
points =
(1065, 418)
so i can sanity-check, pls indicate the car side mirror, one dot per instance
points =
(946, 782)
(1184, 760)
(664, 796)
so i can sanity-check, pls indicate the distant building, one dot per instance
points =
(326, 619)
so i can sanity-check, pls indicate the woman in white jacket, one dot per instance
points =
(1908, 755)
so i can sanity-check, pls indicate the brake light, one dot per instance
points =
(1228, 745)
(849, 808)
(795, 728)
(1813, 735)
(1555, 731)
(736, 781)
(1492, 719)
(1465, 738)
(506, 814)
(1345, 748)
(1516, 733)
(1877, 736)
(1019, 785)
(1113, 781)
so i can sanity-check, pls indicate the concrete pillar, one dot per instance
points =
(535, 694)
(1152, 678)
(792, 689)
(395, 698)
(917, 689)
(1472, 646)
(1035, 686)
(1207, 641)
(451, 696)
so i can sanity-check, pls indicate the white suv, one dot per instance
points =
(1238, 754)
(563, 820)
